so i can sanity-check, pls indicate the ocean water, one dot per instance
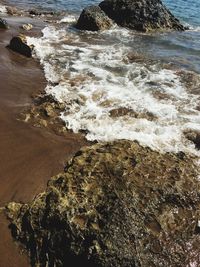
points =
(119, 84)
(186, 10)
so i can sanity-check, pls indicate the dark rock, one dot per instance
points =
(19, 44)
(3, 24)
(193, 136)
(117, 205)
(35, 13)
(40, 13)
(93, 19)
(141, 15)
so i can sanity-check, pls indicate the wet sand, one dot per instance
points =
(29, 156)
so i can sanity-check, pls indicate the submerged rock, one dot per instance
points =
(116, 205)
(193, 136)
(27, 27)
(13, 11)
(141, 15)
(3, 24)
(19, 45)
(93, 19)
(34, 12)
(45, 112)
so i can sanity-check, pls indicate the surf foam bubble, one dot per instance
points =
(68, 19)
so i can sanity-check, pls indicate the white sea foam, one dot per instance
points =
(68, 19)
(95, 78)
(3, 9)
(192, 27)
(196, 29)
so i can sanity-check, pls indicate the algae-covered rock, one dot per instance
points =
(116, 205)
(93, 19)
(19, 45)
(141, 15)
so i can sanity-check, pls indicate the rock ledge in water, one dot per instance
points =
(141, 15)
(93, 19)
(116, 205)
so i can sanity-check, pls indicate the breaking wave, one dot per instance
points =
(112, 92)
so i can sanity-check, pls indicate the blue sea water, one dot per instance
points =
(186, 10)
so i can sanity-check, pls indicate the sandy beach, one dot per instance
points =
(29, 155)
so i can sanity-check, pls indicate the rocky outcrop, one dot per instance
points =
(35, 12)
(117, 204)
(93, 19)
(19, 45)
(3, 24)
(141, 15)
(45, 113)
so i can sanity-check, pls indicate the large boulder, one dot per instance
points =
(116, 205)
(93, 19)
(19, 45)
(141, 15)
(3, 24)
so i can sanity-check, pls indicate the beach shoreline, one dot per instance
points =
(29, 155)
(37, 139)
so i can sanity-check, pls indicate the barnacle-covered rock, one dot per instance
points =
(116, 205)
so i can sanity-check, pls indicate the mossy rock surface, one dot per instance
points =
(116, 205)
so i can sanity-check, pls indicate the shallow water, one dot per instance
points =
(136, 77)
